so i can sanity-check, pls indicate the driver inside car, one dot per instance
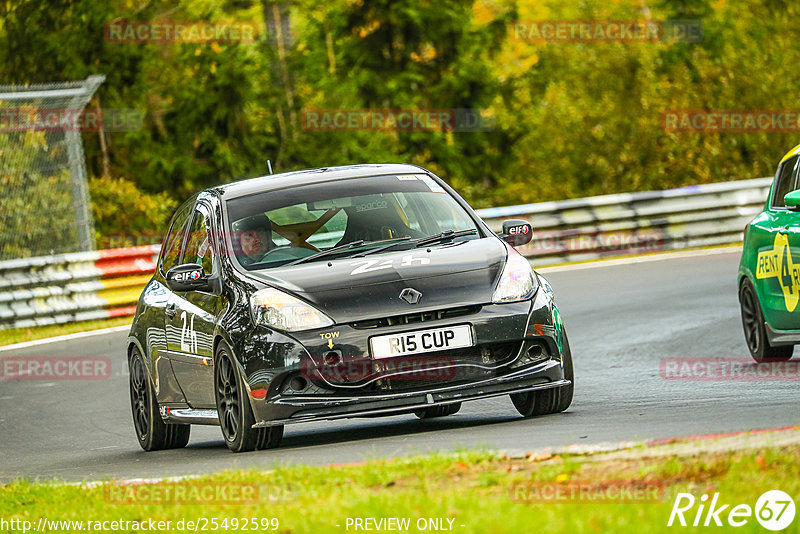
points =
(255, 239)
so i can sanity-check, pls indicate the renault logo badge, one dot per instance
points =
(410, 295)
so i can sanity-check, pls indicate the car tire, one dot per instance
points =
(755, 333)
(438, 411)
(151, 430)
(553, 400)
(233, 408)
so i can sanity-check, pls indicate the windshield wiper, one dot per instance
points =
(443, 236)
(327, 252)
(392, 242)
(419, 242)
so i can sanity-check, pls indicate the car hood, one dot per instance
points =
(355, 289)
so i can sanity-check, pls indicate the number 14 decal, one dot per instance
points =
(188, 335)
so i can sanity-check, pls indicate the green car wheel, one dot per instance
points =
(754, 331)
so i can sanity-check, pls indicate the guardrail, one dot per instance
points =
(636, 223)
(107, 283)
(74, 287)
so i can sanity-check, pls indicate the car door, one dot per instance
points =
(192, 317)
(157, 297)
(777, 238)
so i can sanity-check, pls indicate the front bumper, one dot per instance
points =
(542, 376)
(517, 348)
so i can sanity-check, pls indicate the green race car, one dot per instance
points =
(769, 274)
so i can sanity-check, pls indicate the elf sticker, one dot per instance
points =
(777, 263)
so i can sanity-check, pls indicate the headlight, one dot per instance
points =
(518, 282)
(279, 310)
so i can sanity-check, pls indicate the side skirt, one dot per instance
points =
(189, 416)
(781, 337)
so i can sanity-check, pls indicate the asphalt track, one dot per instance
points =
(622, 321)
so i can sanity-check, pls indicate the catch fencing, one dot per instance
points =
(44, 204)
(107, 283)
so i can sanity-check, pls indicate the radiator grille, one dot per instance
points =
(421, 317)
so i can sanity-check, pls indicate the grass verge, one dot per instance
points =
(470, 491)
(19, 335)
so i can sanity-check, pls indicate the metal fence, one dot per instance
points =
(44, 201)
(636, 223)
(73, 287)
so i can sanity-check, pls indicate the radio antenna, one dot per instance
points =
(269, 165)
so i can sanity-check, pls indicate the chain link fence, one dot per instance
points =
(44, 198)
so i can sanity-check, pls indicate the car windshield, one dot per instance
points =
(276, 228)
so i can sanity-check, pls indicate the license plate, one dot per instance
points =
(435, 339)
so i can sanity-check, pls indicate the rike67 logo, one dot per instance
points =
(774, 510)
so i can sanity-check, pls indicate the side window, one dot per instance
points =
(785, 182)
(175, 238)
(198, 246)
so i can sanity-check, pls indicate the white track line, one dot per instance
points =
(661, 256)
(66, 337)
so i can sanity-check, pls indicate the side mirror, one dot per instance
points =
(516, 232)
(792, 200)
(187, 277)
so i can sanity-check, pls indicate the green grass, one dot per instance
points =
(19, 335)
(471, 487)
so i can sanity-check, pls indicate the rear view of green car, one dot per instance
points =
(769, 271)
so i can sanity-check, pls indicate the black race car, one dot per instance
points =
(338, 292)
